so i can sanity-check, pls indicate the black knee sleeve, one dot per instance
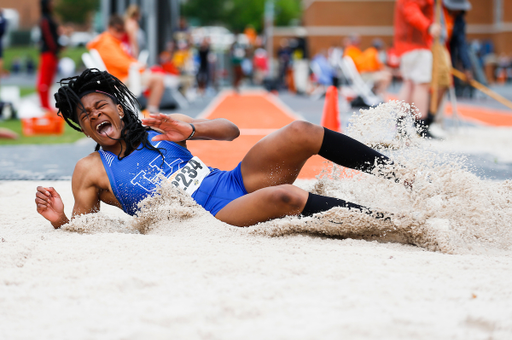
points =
(350, 153)
(317, 203)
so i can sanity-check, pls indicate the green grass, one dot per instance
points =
(69, 135)
(25, 91)
(23, 52)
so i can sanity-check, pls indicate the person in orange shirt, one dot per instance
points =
(109, 45)
(251, 34)
(372, 69)
(414, 30)
(167, 64)
(351, 48)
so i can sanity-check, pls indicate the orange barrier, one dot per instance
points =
(46, 125)
(331, 114)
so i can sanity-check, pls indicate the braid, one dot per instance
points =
(67, 100)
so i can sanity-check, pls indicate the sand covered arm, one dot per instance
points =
(49, 204)
(85, 190)
(179, 127)
(84, 186)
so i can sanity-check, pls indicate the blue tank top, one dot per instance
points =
(137, 175)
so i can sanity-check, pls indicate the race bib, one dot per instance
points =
(190, 177)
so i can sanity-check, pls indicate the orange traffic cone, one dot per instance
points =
(330, 117)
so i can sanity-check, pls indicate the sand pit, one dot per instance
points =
(192, 277)
(440, 268)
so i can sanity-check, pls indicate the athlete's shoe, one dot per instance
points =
(422, 128)
(424, 133)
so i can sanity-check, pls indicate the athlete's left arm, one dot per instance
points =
(178, 127)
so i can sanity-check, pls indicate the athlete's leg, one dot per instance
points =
(279, 157)
(263, 205)
(279, 201)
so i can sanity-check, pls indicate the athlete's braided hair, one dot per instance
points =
(72, 89)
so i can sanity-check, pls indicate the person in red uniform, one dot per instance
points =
(414, 29)
(50, 49)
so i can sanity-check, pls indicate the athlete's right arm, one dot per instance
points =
(50, 206)
(85, 187)
(49, 203)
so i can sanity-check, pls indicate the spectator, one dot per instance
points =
(414, 29)
(134, 34)
(284, 56)
(251, 34)
(373, 69)
(30, 65)
(118, 61)
(184, 62)
(182, 33)
(455, 12)
(203, 70)
(351, 48)
(50, 49)
(3, 29)
(454, 36)
(260, 64)
(16, 65)
(322, 69)
(166, 60)
(237, 56)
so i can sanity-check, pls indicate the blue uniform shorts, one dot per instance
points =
(220, 188)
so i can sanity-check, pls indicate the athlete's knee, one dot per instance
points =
(305, 132)
(301, 126)
(287, 197)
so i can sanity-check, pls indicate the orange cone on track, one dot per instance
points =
(331, 115)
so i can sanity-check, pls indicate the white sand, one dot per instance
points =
(189, 276)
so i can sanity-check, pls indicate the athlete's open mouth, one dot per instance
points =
(104, 128)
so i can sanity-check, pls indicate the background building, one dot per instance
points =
(326, 22)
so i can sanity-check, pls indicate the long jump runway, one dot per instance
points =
(257, 114)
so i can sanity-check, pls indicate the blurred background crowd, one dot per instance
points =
(174, 52)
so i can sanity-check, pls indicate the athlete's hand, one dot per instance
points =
(172, 130)
(49, 204)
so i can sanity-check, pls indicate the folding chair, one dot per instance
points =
(88, 60)
(357, 83)
(100, 65)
